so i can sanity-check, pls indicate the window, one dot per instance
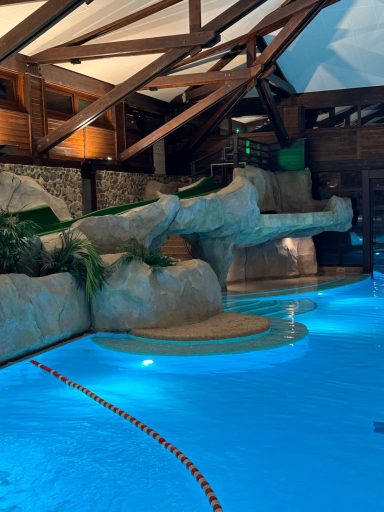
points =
(82, 103)
(57, 101)
(372, 115)
(8, 90)
(70, 103)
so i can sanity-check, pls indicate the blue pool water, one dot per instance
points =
(285, 430)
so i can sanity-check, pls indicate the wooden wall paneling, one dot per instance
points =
(72, 147)
(338, 98)
(332, 144)
(14, 130)
(370, 141)
(294, 120)
(99, 142)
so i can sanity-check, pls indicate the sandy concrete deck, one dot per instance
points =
(218, 327)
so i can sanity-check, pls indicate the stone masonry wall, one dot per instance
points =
(115, 188)
(58, 181)
(112, 188)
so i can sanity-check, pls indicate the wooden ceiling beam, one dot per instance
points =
(121, 48)
(118, 93)
(289, 33)
(13, 2)
(281, 85)
(181, 119)
(123, 22)
(36, 24)
(280, 16)
(221, 111)
(194, 15)
(270, 106)
(239, 42)
(142, 77)
(188, 80)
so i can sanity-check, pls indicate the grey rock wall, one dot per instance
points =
(111, 233)
(287, 257)
(37, 312)
(138, 296)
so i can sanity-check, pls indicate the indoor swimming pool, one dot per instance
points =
(298, 428)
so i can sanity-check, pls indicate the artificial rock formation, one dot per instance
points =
(288, 257)
(36, 312)
(152, 188)
(258, 206)
(284, 194)
(138, 296)
(111, 233)
(19, 193)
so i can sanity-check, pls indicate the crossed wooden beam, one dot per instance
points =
(215, 86)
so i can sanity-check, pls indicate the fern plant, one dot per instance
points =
(79, 257)
(16, 241)
(137, 251)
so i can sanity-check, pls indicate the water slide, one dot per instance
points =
(48, 222)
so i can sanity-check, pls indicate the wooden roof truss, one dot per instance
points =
(214, 87)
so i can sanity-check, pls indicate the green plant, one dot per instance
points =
(79, 257)
(137, 251)
(16, 241)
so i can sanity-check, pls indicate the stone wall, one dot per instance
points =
(59, 181)
(113, 188)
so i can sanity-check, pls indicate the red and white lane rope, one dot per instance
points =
(213, 501)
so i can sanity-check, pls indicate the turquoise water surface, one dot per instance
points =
(284, 430)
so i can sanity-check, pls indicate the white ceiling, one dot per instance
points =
(343, 47)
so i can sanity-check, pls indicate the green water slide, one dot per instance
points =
(48, 222)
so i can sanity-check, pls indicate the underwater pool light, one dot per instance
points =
(147, 362)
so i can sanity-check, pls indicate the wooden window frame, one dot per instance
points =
(105, 121)
(14, 104)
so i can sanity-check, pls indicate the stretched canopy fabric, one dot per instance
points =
(342, 48)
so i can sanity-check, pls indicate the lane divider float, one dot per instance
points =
(208, 491)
